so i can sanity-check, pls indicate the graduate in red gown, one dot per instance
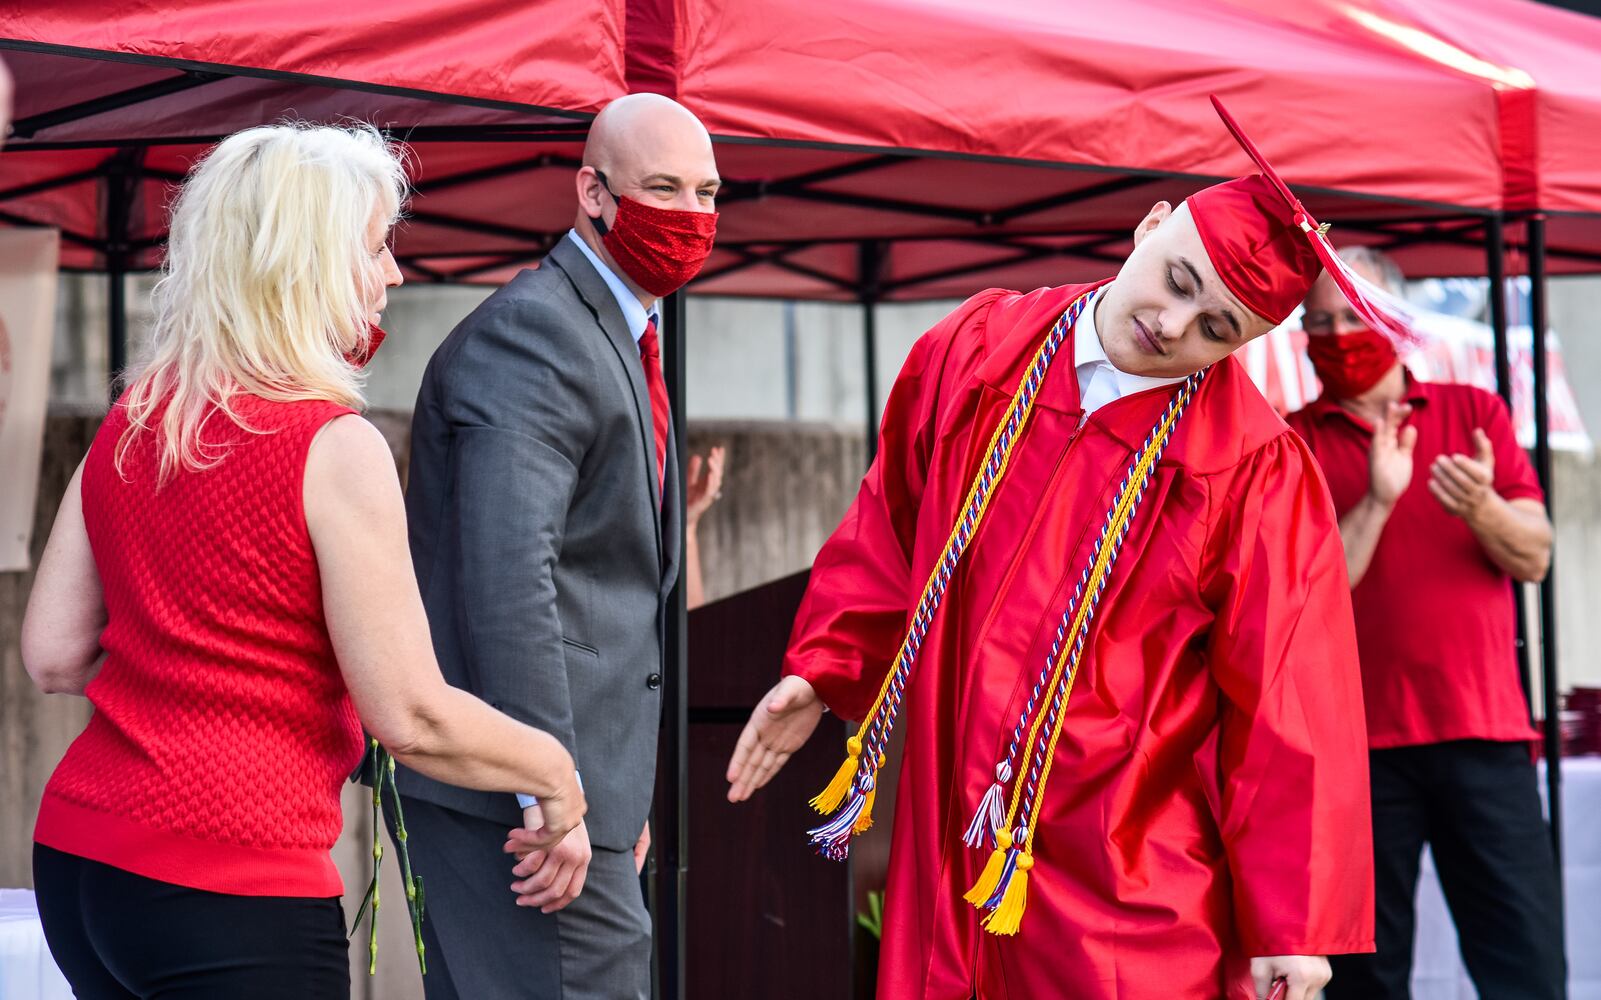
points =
(1101, 584)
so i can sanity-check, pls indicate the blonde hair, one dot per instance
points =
(266, 283)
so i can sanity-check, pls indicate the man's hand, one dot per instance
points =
(1462, 484)
(1304, 975)
(778, 727)
(550, 878)
(1390, 456)
(642, 849)
(545, 824)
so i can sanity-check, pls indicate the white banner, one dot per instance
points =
(28, 262)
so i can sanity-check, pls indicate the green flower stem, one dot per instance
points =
(383, 772)
(413, 885)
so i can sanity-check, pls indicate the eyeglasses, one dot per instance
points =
(1322, 322)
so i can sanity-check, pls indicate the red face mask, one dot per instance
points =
(361, 357)
(660, 248)
(1349, 364)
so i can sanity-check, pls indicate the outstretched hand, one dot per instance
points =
(779, 725)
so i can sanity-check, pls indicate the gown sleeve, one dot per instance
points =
(861, 592)
(1291, 786)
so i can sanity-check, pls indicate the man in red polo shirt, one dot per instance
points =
(1439, 510)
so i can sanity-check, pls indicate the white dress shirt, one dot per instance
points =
(634, 314)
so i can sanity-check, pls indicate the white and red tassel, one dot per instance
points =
(1388, 314)
(1383, 312)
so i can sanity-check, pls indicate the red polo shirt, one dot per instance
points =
(1435, 622)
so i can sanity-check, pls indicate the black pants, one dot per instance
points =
(120, 935)
(1475, 803)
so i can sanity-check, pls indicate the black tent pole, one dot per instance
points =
(118, 208)
(670, 833)
(1495, 260)
(1495, 255)
(871, 270)
(1548, 611)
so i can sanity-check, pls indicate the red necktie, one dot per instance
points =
(650, 355)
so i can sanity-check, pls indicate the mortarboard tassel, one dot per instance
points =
(1385, 313)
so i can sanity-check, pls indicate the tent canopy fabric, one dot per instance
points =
(533, 54)
(854, 170)
(1122, 87)
(1542, 63)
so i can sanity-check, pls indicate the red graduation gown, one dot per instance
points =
(1209, 801)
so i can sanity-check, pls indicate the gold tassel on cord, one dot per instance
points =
(864, 822)
(984, 888)
(829, 799)
(1006, 918)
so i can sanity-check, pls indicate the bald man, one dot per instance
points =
(544, 510)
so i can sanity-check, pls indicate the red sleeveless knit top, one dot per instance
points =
(222, 731)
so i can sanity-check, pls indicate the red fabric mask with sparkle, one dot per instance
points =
(1349, 364)
(660, 248)
(361, 357)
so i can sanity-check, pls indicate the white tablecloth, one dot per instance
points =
(1437, 971)
(26, 970)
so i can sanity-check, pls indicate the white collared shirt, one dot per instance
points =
(634, 314)
(1099, 382)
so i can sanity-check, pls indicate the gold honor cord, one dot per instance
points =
(854, 784)
(1002, 887)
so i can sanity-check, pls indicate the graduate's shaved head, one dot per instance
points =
(1169, 312)
(648, 148)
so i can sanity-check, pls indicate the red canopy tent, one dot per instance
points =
(874, 151)
(1539, 61)
(957, 169)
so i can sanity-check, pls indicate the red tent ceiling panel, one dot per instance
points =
(545, 53)
(215, 108)
(1123, 86)
(494, 187)
(1542, 64)
(1558, 52)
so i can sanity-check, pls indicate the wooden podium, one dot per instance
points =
(767, 917)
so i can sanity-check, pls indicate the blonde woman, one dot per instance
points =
(228, 582)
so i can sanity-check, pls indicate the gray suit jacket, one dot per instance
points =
(542, 555)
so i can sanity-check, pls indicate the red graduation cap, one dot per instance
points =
(1269, 249)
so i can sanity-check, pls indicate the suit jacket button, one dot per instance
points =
(654, 681)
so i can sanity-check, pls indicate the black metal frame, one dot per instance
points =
(124, 171)
(1548, 606)
(671, 831)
